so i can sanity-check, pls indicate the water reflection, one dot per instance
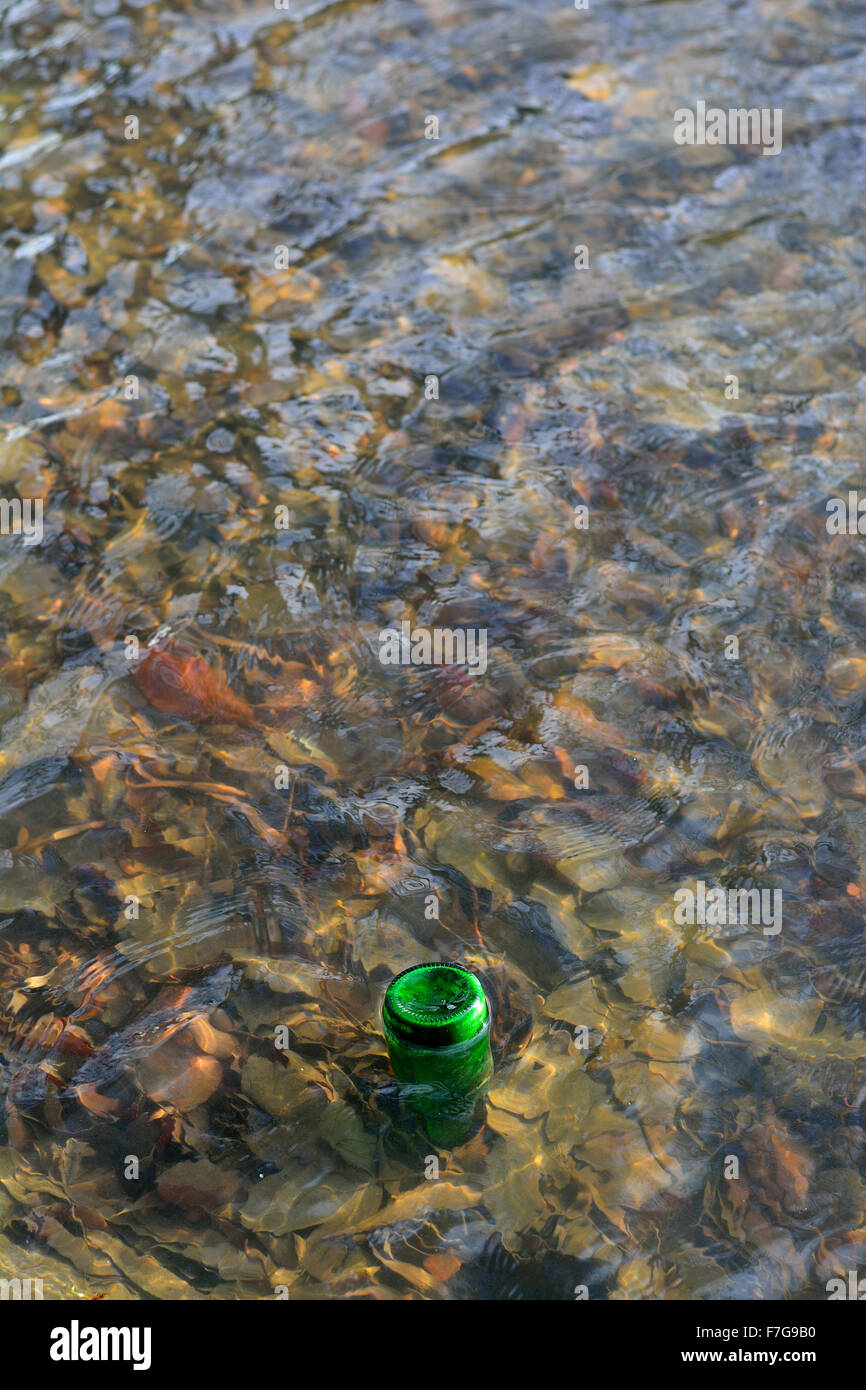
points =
(287, 373)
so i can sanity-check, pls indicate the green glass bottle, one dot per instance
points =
(436, 1021)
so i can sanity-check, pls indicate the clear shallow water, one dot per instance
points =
(261, 906)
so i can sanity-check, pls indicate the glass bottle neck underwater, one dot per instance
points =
(436, 1021)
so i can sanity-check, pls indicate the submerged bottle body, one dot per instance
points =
(437, 1024)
